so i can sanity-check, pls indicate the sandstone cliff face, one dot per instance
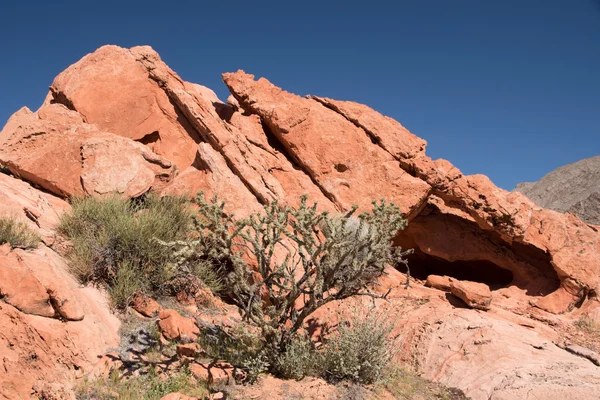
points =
(50, 327)
(120, 120)
(375, 157)
(573, 188)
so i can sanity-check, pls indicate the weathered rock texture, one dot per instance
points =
(120, 120)
(354, 153)
(50, 328)
(55, 149)
(39, 210)
(573, 188)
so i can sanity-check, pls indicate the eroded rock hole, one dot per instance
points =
(341, 167)
(422, 265)
(150, 138)
(225, 111)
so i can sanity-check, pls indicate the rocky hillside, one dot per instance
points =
(499, 280)
(573, 188)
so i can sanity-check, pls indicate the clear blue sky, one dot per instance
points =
(508, 88)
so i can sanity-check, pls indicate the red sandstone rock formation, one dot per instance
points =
(55, 149)
(120, 120)
(354, 153)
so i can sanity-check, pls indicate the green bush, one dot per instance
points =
(114, 241)
(17, 234)
(361, 350)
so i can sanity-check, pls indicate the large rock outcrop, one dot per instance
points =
(120, 120)
(374, 156)
(267, 144)
(573, 188)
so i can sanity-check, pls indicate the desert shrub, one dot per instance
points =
(150, 386)
(184, 260)
(303, 259)
(361, 350)
(240, 346)
(588, 325)
(17, 234)
(125, 283)
(299, 359)
(114, 241)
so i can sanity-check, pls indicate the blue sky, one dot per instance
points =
(510, 88)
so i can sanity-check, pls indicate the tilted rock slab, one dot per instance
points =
(133, 93)
(339, 157)
(355, 154)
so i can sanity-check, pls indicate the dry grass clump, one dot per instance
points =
(115, 241)
(17, 234)
(150, 386)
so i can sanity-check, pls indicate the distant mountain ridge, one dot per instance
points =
(573, 188)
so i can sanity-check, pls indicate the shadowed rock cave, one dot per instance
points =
(422, 265)
(477, 255)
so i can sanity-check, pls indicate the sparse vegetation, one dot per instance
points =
(304, 260)
(299, 359)
(278, 267)
(406, 385)
(150, 386)
(361, 350)
(17, 234)
(588, 325)
(240, 346)
(113, 241)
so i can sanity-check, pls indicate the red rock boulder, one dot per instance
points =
(474, 294)
(56, 150)
(173, 326)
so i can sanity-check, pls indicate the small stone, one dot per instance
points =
(173, 326)
(212, 374)
(439, 282)
(145, 305)
(476, 295)
(188, 350)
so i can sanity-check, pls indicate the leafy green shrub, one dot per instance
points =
(360, 351)
(114, 241)
(17, 234)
